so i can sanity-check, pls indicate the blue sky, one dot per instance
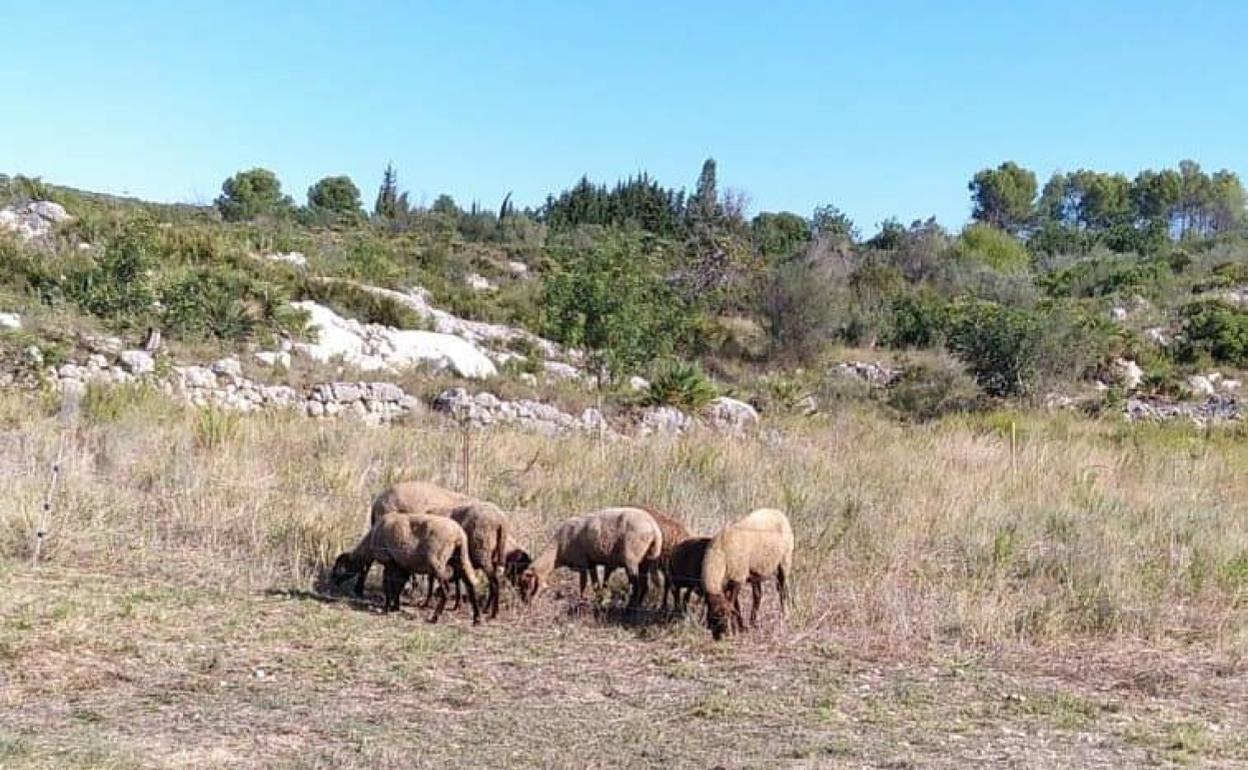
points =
(882, 108)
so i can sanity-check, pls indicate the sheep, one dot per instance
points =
(407, 544)
(414, 497)
(751, 549)
(674, 533)
(409, 497)
(486, 526)
(684, 570)
(613, 537)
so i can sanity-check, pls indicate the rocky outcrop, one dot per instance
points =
(485, 409)
(293, 258)
(373, 347)
(729, 414)
(1214, 409)
(872, 373)
(33, 221)
(10, 321)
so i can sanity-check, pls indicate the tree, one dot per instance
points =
(387, 203)
(252, 194)
(779, 235)
(986, 245)
(445, 204)
(1004, 197)
(704, 207)
(609, 297)
(335, 195)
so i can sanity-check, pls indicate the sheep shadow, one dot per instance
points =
(622, 615)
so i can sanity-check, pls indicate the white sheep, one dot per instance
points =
(627, 538)
(413, 544)
(751, 549)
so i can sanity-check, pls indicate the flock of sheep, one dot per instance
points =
(418, 528)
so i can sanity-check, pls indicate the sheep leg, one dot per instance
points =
(443, 590)
(734, 594)
(491, 600)
(638, 577)
(393, 580)
(428, 594)
(782, 589)
(584, 580)
(363, 576)
(756, 591)
(457, 581)
(472, 595)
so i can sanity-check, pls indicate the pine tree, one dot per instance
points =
(387, 205)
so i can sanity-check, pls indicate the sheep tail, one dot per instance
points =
(500, 548)
(465, 562)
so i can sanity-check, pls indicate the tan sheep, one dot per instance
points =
(414, 497)
(414, 544)
(615, 537)
(488, 533)
(410, 497)
(751, 549)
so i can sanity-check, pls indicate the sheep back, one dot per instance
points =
(414, 497)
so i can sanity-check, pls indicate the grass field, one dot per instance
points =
(1012, 591)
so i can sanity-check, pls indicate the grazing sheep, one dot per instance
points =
(486, 526)
(408, 544)
(751, 549)
(684, 570)
(674, 533)
(614, 537)
(409, 497)
(414, 497)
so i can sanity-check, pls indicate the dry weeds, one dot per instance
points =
(1078, 604)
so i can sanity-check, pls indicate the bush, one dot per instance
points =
(997, 344)
(917, 321)
(119, 286)
(1214, 329)
(986, 245)
(679, 384)
(796, 302)
(926, 391)
(252, 194)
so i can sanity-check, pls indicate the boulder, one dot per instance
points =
(1128, 373)
(731, 414)
(10, 321)
(34, 220)
(478, 282)
(371, 347)
(1201, 385)
(290, 258)
(137, 362)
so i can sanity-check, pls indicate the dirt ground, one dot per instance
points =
(96, 671)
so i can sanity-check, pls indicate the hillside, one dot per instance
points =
(1012, 458)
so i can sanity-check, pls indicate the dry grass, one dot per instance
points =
(1079, 602)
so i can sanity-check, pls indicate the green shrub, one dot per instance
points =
(680, 384)
(120, 285)
(918, 321)
(986, 245)
(1214, 329)
(926, 391)
(998, 344)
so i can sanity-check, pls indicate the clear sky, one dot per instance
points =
(882, 108)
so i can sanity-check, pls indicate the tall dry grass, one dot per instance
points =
(943, 531)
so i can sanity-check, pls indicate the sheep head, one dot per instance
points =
(345, 567)
(515, 563)
(718, 615)
(530, 585)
